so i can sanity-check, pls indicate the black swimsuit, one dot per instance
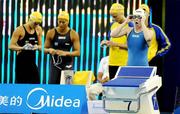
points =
(26, 69)
(61, 42)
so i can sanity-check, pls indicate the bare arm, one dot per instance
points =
(39, 35)
(122, 46)
(115, 44)
(17, 34)
(76, 44)
(121, 30)
(148, 34)
(103, 75)
(47, 45)
(99, 78)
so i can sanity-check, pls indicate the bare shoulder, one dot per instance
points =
(19, 31)
(39, 28)
(50, 33)
(73, 33)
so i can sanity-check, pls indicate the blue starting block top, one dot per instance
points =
(131, 76)
(136, 71)
(125, 82)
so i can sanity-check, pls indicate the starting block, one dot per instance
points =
(133, 90)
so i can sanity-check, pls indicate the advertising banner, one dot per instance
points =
(27, 98)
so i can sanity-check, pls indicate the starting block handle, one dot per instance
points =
(151, 90)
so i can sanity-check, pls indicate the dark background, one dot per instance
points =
(168, 66)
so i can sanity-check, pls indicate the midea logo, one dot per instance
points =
(36, 100)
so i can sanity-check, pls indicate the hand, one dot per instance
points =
(105, 79)
(35, 47)
(52, 51)
(103, 42)
(111, 43)
(61, 53)
(28, 46)
(128, 19)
